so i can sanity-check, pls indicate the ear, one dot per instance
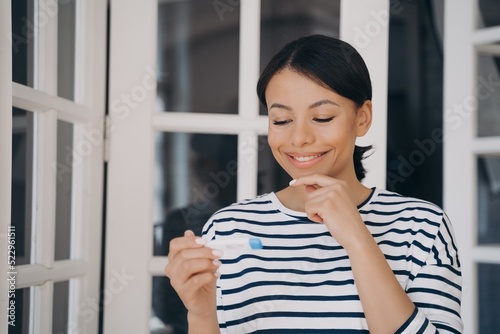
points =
(364, 118)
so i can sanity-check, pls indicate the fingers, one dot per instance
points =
(189, 240)
(192, 270)
(317, 185)
(315, 180)
(310, 189)
(188, 257)
(183, 270)
(324, 195)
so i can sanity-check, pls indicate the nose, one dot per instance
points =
(302, 134)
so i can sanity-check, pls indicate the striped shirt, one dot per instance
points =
(302, 282)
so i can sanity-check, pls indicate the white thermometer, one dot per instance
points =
(235, 243)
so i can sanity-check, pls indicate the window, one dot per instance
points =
(57, 162)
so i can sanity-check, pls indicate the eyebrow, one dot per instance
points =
(312, 106)
(321, 102)
(280, 106)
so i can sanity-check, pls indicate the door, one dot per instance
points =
(472, 153)
(182, 98)
(52, 56)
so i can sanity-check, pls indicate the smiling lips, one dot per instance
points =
(305, 160)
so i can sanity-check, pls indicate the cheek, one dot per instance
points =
(340, 138)
(273, 139)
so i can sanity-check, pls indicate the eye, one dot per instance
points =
(323, 120)
(281, 122)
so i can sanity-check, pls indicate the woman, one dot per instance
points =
(338, 257)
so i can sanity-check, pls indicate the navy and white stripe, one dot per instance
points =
(302, 282)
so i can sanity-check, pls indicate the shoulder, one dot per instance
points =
(421, 223)
(390, 211)
(392, 203)
(261, 203)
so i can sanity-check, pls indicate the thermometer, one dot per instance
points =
(235, 243)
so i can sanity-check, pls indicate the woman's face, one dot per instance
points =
(311, 128)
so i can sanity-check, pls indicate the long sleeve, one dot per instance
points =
(436, 289)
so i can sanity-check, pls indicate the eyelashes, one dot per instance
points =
(324, 120)
(281, 122)
(318, 120)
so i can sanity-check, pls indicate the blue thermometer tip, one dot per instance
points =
(255, 243)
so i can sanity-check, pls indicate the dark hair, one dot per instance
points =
(330, 62)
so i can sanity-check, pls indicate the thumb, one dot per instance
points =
(189, 233)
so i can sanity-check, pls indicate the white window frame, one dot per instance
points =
(86, 113)
(129, 244)
(5, 152)
(462, 147)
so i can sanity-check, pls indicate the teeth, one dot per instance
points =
(304, 159)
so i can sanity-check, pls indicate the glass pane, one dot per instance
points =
(19, 310)
(195, 176)
(66, 20)
(60, 307)
(488, 200)
(198, 43)
(65, 161)
(283, 21)
(23, 41)
(488, 94)
(488, 13)
(489, 298)
(22, 182)
(169, 316)
(271, 176)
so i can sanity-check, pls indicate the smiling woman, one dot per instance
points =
(337, 256)
(315, 130)
(348, 81)
(305, 131)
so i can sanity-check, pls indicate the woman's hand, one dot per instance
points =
(328, 201)
(192, 269)
(385, 303)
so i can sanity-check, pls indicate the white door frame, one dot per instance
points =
(5, 152)
(129, 233)
(86, 114)
(462, 147)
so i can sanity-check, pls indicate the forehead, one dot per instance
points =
(289, 87)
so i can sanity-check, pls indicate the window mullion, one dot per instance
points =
(372, 21)
(249, 67)
(45, 158)
(249, 58)
(41, 315)
(44, 192)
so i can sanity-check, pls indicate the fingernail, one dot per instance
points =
(217, 263)
(292, 182)
(217, 274)
(217, 252)
(200, 241)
